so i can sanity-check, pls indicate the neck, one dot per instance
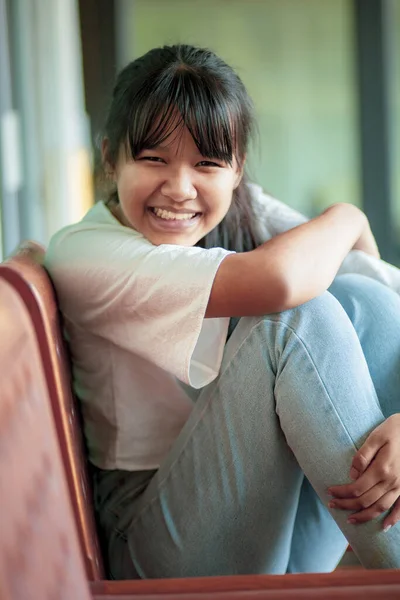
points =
(115, 208)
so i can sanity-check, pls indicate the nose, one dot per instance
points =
(178, 186)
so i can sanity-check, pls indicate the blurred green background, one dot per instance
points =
(295, 58)
(324, 76)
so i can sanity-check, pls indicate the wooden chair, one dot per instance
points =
(25, 273)
(28, 278)
(40, 557)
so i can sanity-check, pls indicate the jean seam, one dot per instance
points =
(302, 344)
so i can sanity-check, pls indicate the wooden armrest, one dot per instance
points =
(258, 586)
(362, 592)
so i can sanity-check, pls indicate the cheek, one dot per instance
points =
(222, 196)
(133, 189)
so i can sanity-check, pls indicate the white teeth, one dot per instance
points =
(166, 214)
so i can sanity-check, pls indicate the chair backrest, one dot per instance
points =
(40, 557)
(24, 271)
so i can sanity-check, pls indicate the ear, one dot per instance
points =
(108, 168)
(240, 173)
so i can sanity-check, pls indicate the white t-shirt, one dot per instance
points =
(134, 319)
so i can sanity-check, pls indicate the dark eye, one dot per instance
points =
(152, 158)
(208, 163)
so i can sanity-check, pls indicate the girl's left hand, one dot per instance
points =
(376, 471)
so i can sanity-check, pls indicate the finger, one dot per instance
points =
(362, 502)
(363, 457)
(382, 505)
(380, 469)
(393, 517)
(365, 482)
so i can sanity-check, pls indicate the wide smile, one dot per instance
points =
(171, 221)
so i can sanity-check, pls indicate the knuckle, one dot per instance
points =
(357, 462)
(361, 460)
(380, 507)
(384, 472)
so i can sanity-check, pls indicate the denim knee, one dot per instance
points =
(323, 311)
(357, 284)
(319, 323)
(364, 297)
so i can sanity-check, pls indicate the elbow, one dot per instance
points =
(288, 295)
(291, 289)
(283, 296)
(295, 292)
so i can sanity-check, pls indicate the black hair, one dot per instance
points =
(211, 102)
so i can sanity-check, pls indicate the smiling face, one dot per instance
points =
(172, 194)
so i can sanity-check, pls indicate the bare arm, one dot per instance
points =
(289, 269)
(276, 217)
(367, 242)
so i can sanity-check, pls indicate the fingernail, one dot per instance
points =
(329, 492)
(351, 521)
(385, 529)
(331, 505)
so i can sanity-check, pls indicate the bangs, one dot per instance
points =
(182, 97)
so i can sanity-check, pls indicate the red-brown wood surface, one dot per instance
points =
(249, 583)
(376, 592)
(40, 557)
(25, 273)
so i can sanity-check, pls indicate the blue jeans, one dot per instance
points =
(244, 488)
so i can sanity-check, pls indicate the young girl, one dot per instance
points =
(239, 417)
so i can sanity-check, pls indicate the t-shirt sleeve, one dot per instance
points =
(149, 300)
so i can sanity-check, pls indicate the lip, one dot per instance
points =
(171, 225)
